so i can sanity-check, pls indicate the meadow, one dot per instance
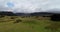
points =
(28, 24)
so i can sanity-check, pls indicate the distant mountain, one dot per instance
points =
(22, 14)
(41, 13)
(12, 14)
(7, 13)
(19, 14)
(57, 11)
(26, 14)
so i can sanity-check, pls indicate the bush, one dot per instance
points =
(2, 16)
(1, 21)
(36, 16)
(30, 22)
(23, 17)
(55, 17)
(53, 27)
(12, 18)
(18, 20)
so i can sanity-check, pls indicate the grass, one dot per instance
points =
(31, 24)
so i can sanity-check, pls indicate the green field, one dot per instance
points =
(28, 24)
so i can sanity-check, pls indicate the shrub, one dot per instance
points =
(23, 17)
(36, 16)
(12, 18)
(2, 16)
(30, 22)
(18, 20)
(1, 21)
(55, 17)
(53, 27)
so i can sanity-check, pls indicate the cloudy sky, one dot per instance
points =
(28, 6)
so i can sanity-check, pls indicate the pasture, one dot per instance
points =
(28, 24)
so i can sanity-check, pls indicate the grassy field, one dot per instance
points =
(28, 24)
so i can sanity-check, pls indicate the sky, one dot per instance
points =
(28, 6)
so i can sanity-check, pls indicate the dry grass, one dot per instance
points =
(29, 24)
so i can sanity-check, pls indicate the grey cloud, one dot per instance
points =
(29, 6)
(3, 8)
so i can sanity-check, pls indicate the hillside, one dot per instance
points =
(7, 13)
(26, 14)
